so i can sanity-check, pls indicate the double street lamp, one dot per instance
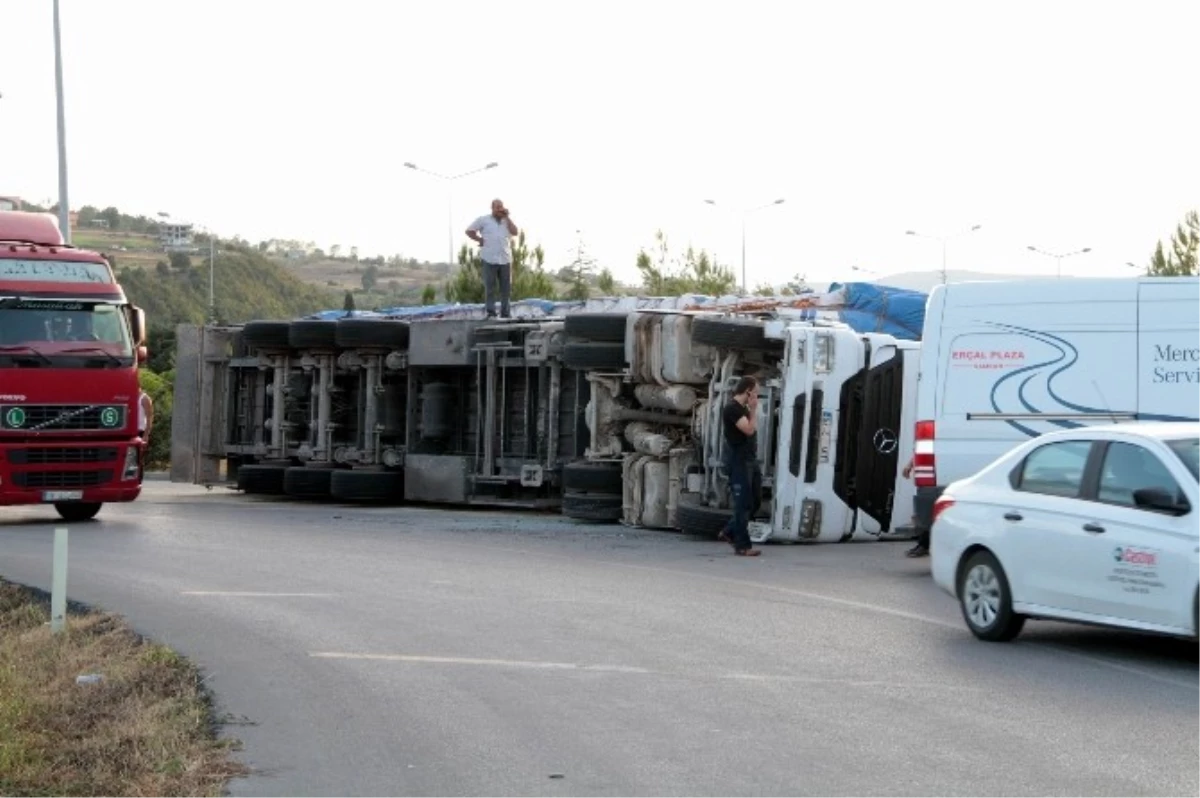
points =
(1058, 257)
(944, 239)
(449, 179)
(746, 213)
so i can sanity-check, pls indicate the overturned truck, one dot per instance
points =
(606, 410)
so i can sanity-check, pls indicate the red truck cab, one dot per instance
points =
(70, 345)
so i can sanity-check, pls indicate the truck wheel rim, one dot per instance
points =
(982, 596)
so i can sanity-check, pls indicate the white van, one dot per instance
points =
(1003, 362)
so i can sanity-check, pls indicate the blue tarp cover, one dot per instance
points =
(864, 307)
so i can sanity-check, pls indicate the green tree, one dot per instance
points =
(529, 278)
(370, 278)
(1181, 261)
(160, 388)
(348, 302)
(429, 295)
(180, 261)
(112, 216)
(606, 282)
(695, 273)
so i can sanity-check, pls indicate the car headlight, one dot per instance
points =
(132, 466)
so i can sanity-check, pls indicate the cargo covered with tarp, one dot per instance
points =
(864, 307)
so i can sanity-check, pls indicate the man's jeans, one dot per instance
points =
(741, 486)
(493, 273)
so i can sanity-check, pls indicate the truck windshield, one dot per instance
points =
(56, 329)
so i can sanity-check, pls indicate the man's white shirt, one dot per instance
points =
(495, 248)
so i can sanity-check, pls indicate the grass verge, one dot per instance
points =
(146, 729)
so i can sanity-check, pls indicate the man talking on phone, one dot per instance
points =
(492, 233)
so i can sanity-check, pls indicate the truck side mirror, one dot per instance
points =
(143, 354)
(137, 318)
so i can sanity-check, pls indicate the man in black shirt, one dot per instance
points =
(740, 424)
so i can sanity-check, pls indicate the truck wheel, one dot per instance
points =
(266, 335)
(698, 519)
(591, 506)
(385, 487)
(604, 356)
(75, 512)
(592, 477)
(264, 479)
(608, 327)
(312, 334)
(371, 334)
(308, 483)
(727, 333)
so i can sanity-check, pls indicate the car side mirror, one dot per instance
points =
(143, 355)
(1160, 500)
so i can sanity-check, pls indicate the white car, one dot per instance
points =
(1097, 525)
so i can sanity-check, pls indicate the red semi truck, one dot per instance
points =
(70, 345)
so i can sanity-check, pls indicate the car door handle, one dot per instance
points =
(1013, 517)
(1093, 528)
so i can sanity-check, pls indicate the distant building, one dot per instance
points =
(10, 204)
(175, 236)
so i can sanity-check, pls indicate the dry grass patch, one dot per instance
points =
(146, 729)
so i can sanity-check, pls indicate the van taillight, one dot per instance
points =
(940, 505)
(924, 466)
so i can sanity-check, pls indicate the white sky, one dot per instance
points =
(1059, 124)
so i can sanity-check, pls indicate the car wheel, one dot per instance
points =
(987, 601)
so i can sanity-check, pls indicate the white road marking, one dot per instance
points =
(627, 669)
(251, 594)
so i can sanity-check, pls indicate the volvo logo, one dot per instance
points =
(885, 441)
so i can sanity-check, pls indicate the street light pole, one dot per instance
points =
(944, 239)
(1057, 257)
(449, 179)
(64, 207)
(745, 215)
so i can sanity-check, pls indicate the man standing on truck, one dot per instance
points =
(492, 233)
(740, 422)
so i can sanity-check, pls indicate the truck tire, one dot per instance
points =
(698, 519)
(603, 356)
(592, 506)
(729, 333)
(76, 512)
(371, 334)
(592, 477)
(263, 479)
(384, 487)
(608, 327)
(312, 334)
(304, 482)
(267, 334)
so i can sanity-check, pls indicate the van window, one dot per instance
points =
(1127, 468)
(1055, 469)
(1188, 450)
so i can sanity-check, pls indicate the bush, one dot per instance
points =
(159, 386)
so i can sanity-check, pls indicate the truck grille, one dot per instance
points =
(56, 456)
(61, 479)
(37, 418)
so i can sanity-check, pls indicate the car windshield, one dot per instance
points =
(1188, 450)
(48, 329)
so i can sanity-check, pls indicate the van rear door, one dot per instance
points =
(1019, 359)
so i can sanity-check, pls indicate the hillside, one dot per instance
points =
(248, 286)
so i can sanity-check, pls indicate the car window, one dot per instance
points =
(1188, 450)
(1128, 467)
(1055, 469)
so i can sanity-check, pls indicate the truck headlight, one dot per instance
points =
(132, 466)
(823, 354)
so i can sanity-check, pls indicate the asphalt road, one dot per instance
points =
(413, 651)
